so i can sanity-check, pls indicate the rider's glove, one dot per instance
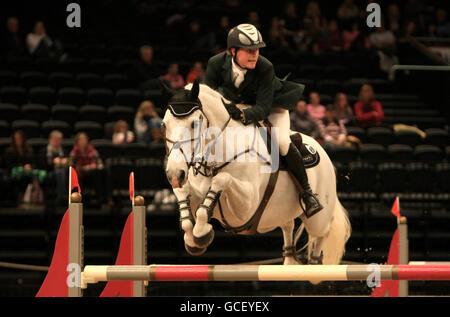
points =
(234, 111)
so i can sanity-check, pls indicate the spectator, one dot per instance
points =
(197, 40)
(145, 71)
(13, 43)
(442, 23)
(332, 130)
(348, 10)
(291, 27)
(20, 161)
(369, 111)
(253, 18)
(197, 72)
(221, 33)
(88, 165)
(409, 29)
(55, 162)
(393, 18)
(302, 122)
(315, 109)
(385, 43)
(349, 36)
(39, 44)
(145, 120)
(331, 39)
(175, 80)
(121, 133)
(341, 108)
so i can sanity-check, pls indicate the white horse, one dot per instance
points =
(238, 186)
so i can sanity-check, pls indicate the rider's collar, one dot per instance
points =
(184, 108)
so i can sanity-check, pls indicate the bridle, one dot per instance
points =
(201, 166)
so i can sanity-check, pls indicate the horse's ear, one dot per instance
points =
(166, 91)
(193, 95)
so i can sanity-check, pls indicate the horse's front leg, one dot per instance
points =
(222, 182)
(186, 202)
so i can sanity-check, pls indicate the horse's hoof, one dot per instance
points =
(194, 250)
(204, 240)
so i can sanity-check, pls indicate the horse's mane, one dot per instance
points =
(205, 89)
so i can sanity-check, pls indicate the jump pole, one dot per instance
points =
(94, 273)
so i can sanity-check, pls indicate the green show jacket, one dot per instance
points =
(260, 88)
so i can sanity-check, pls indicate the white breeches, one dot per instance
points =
(279, 118)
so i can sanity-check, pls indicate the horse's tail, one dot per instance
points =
(334, 244)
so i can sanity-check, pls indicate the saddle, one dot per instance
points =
(310, 159)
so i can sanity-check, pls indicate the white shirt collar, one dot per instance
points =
(237, 74)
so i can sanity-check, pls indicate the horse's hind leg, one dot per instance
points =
(315, 256)
(288, 247)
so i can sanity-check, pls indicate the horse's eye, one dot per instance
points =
(163, 126)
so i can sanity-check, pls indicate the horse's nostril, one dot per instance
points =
(182, 174)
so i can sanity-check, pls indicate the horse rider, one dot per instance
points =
(241, 75)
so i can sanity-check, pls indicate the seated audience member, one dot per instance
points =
(55, 162)
(145, 120)
(315, 109)
(369, 111)
(145, 71)
(197, 72)
(348, 10)
(20, 162)
(302, 122)
(342, 110)
(121, 133)
(332, 130)
(349, 36)
(175, 80)
(13, 42)
(330, 38)
(88, 165)
(39, 44)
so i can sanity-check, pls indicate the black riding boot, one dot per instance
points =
(295, 164)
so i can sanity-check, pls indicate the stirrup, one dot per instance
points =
(309, 213)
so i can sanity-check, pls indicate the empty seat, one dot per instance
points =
(105, 148)
(37, 112)
(93, 129)
(337, 72)
(5, 129)
(421, 177)
(400, 152)
(329, 86)
(29, 127)
(125, 65)
(438, 137)
(94, 50)
(447, 152)
(154, 167)
(66, 113)
(90, 80)
(116, 113)
(358, 132)
(9, 111)
(281, 70)
(92, 113)
(428, 153)
(343, 154)
(14, 94)
(46, 64)
(310, 71)
(101, 97)
(154, 95)
(108, 130)
(380, 135)
(362, 177)
(74, 65)
(325, 99)
(116, 81)
(373, 152)
(20, 63)
(101, 65)
(43, 95)
(32, 79)
(59, 80)
(128, 97)
(134, 150)
(8, 78)
(408, 137)
(443, 176)
(50, 125)
(72, 96)
(393, 177)
(37, 144)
